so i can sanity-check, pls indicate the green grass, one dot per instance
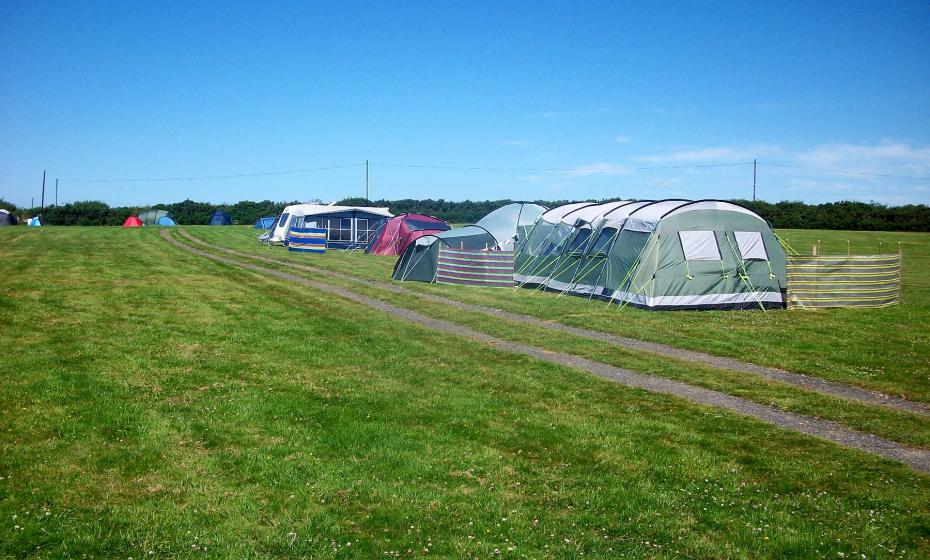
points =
(907, 428)
(156, 401)
(881, 349)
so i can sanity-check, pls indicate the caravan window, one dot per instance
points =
(338, 229)
(601, 244)
(751, 246)
(580, 239)
(283, 220)
(699, 245)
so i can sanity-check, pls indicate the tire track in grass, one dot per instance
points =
(918, 459)
(808, 382)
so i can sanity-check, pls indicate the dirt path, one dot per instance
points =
(918, 459)
(831, 388)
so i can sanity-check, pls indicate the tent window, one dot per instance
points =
(751, 246)
(699, 245)
(603, 240)
(283, 220)
(580, 239)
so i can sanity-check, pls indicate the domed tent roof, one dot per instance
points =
(133, 221)
(151, 217)
(511, 221)
(7, 219)
(34, 222)
(393, 237)
(220, 218)
(165, 221)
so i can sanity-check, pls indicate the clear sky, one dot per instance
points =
(574, 99)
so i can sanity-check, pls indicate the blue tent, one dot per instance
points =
(35, 222)
(166, 221)
(220, 218)
(266, 223)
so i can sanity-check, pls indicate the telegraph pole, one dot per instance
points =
(366, 179)
(43, 190)
(753, 179)
(56, 191)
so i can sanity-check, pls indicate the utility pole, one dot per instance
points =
(753, 179)
(366, 179)
(43, 190)
(32, 202)
(56, 191)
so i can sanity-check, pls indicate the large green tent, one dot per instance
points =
(667, 254)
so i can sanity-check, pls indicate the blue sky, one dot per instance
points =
(573, 99)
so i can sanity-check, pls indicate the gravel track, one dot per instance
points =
(816, 384)
(918, 459)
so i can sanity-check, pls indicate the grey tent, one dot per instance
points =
(7, 219)
(667, 254)
(151, 217)
(500, 230)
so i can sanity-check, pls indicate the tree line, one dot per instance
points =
(845, 215)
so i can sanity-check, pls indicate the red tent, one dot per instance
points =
(398, 232)
(132, 221)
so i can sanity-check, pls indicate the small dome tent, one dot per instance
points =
(396, 234)
(220, 218)
(151, 217)
(34, 222)
(165, 221)
(266, 222)
(666, 254)
(133, 221)
(500, 230)
(7, 219)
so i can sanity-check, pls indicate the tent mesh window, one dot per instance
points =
(699, 245)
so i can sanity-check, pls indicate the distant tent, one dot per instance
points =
(500, 230)
(7, 219)
(151, 217)
(165, 221)
(396, 234)
(133, 221)
(266, 223)
(34, 222)
(220, 218)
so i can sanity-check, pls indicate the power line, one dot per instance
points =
(559, 169)
(210, 177)
(863, 173)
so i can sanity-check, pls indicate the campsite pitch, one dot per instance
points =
(159, 404)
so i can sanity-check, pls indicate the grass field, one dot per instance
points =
(883, 349)
(155, 404)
